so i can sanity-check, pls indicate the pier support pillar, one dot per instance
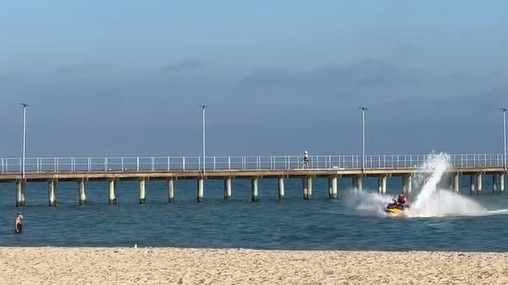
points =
(171, 190)
(280, 181)
(304, 187)
(501, 182)
(332, 187)
(495, 182)
(112, 193)
(227, 189)
(52, 193)
(20, 193)
(472, 182)
(201, 189)
(307, 188)
(142, 191)
(456, 182)
(406, 184)
(381, 184)
(479, 182)
(81, 192)
(357, 183)
(254, 189)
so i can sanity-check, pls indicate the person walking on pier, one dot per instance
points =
(18, 223)
(305, 160)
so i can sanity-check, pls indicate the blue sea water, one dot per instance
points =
(292, 223)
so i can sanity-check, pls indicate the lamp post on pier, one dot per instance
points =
(504, 137)
(203, 136)
(24, 141)
(363, 137)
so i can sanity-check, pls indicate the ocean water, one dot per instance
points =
(438, 219)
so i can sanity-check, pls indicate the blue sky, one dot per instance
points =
(125, 77)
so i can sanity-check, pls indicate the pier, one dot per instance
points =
(253, 168)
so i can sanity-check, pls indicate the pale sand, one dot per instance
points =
(239, 266)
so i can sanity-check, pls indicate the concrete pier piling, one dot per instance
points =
(472, 183)
(254, 189)
(22, 196)
(227, 189)
(201, 189)
(495, 182)
(112, 192)
(357, 182)
(81, 192)
(406, 184)
(455, 182)
(280, 183)
(20, 193)
(479, 182)
(501, 182)
(52, 193)
(142, 191)
(307, 188)
(332, 187)
(171, 190)
(304, 188)
(381, 181)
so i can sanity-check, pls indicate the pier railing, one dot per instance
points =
(91, 164)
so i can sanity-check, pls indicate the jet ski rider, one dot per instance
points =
(400, 201)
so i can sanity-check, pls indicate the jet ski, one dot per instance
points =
(395, 208)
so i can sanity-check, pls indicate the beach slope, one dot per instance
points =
(239, 266)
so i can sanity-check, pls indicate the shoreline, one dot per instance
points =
(138, 247)
(164, 265)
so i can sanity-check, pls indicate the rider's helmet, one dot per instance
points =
(401, 199)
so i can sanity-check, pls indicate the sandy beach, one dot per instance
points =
(49, 265)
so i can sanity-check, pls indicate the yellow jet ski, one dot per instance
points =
(395, 208)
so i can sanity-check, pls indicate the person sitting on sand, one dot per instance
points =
(18, 223)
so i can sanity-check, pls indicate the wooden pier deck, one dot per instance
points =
(231, 173)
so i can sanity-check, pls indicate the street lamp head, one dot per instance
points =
(362, 108)
(203, 106)
(24, 105)
(503, 109)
